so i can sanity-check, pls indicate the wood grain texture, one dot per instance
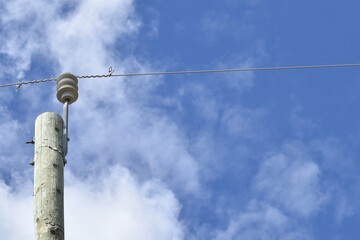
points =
(49, 177)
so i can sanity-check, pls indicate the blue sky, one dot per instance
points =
(255, 155)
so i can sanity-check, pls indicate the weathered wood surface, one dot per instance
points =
(49, 177)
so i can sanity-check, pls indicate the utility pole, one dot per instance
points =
(51, 137)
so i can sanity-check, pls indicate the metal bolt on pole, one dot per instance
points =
(51, 137)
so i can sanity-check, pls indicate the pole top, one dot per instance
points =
(67, 88)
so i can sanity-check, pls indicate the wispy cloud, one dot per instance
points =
(80, 38)
(24, 38)
(183, 159)
(262, 221)
(117, 205)
(114, 203)
(217, 25)
(291, 179)
(15, 212)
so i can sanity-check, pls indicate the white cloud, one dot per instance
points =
(334, 156)
(12, 137)
(116, 206)
(288, 187)
(15, 214)
(23, 31)
(134, 138)
(117, 122)
(119, 129)
(79, 39)
(9, 128)
(244, 122)
(216, 25)
(336, 160)
(301, 126)
(261, 221)
(83, 41)
(111, 206)
(125, 154)
(291, 179)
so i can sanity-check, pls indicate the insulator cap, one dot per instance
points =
(67, 88)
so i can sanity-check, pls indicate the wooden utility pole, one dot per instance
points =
(49, 177)
(51, 137)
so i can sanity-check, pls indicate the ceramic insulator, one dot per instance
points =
(67, 88)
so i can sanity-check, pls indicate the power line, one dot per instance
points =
(253, 69)
(237, 70)
(19, 84)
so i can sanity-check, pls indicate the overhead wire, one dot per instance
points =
(237, 70)
(250, 69)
